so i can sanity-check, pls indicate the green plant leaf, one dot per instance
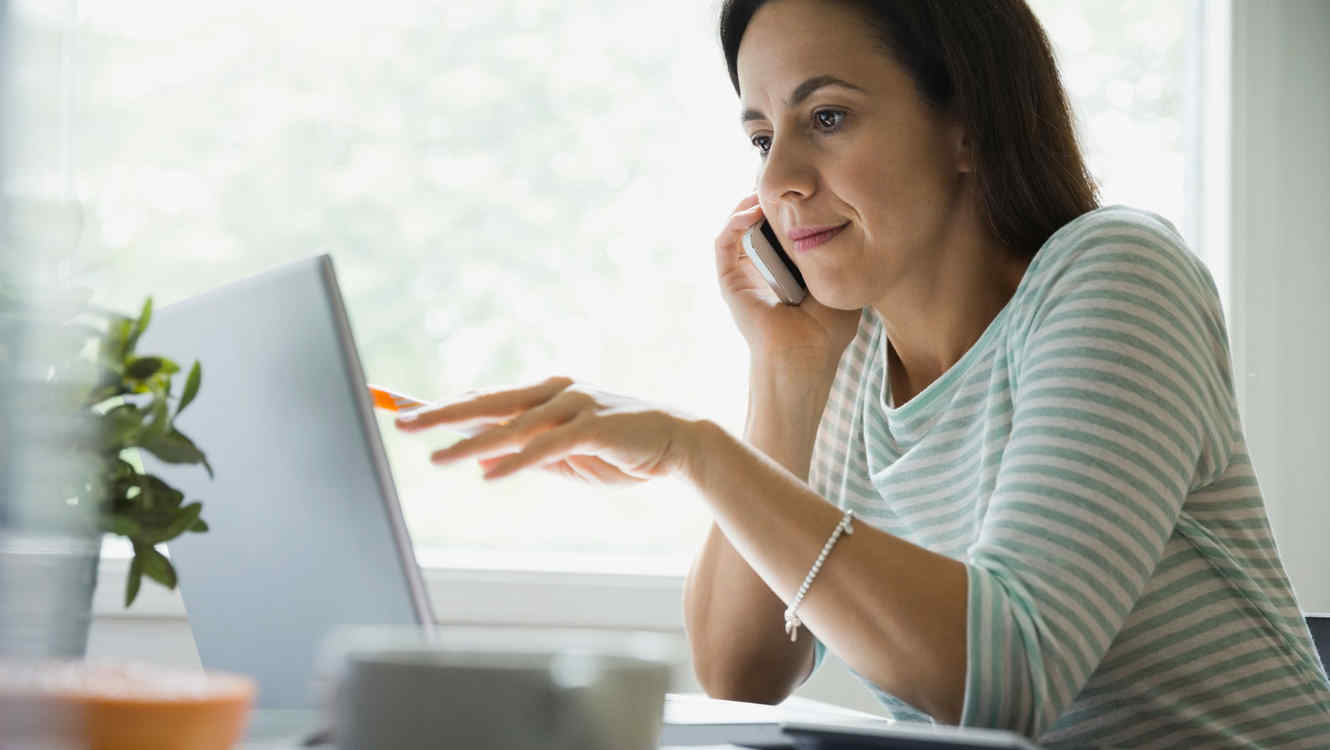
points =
(161, 419)
(135, 578)
(153, 521)
(174, 447)
(191, 387)
(121, 468)
(142, 368)
(163, 495)
(113, 350)
(199, 526)
(122, 525)
(140, 326)
(186, 518)
(169, 366)
(121, 426)
(156, 566)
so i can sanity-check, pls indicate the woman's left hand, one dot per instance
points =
(562, 426)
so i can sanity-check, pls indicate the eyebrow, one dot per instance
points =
(802, 92)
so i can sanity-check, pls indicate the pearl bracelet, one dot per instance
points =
(792, 621)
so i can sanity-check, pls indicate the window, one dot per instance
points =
(1124, 67)
(509, 190)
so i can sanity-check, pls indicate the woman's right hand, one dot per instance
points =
(810, 332)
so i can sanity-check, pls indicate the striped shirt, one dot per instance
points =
(1085, 461)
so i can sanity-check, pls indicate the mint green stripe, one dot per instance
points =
(1192, 362)
(1084, 662)
(1034, 442)
(1066, 376)
(1035, 513)
(1162, 262)
(1150, 652)
(1233, 483)
(1127, 733)
(1138, 510)
(1167, 452)
(1136, 348)
(1065, 564)
(1238, 729)
(1209, 695)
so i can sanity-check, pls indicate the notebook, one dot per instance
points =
(799, 723)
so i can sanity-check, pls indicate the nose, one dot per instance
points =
(788, 175)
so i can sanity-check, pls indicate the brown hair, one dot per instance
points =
(992, 62)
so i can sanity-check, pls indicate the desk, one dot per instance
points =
(281, 730)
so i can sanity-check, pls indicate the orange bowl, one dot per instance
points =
(119, 706)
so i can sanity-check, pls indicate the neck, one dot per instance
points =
(936, 315)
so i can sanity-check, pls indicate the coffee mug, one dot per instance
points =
(515, 689)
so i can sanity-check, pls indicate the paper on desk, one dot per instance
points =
(694, 720)
(695, 708)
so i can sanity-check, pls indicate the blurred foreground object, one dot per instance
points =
(48, 545)
(121, 706)
(49, 542)
(399, 688)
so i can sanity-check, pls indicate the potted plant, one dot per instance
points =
(135, 408)
(81, 402)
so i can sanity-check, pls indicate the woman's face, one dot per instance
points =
(847, 141)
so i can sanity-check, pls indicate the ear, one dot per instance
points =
(962, 146)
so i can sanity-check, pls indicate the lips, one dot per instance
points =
(807, 238)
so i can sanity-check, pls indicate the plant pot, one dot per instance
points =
(46, 586)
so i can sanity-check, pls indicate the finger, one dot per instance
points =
(594, 469)
(512, 436)
(547, 447)
(499, 406)
(728, 250)
(748, 201)
(588, 469)
(486, 463)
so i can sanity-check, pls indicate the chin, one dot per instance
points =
(839, 296)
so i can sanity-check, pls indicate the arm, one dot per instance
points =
(734, 621)
(1123, 404)
(903, 635)
(894, 611)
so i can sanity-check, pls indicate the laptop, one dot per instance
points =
(306, 532)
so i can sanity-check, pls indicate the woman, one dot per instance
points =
(1024, 402)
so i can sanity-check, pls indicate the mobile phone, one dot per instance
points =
(764, 250)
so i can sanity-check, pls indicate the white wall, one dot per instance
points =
(1280, 286)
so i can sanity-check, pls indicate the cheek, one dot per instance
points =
(895, 195)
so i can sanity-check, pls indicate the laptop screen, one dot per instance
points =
(305, 530)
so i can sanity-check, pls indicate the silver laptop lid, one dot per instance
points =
(306, 533)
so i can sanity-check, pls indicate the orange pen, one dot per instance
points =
(393, 401)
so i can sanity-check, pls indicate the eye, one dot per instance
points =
(828, 119)
(762, 143)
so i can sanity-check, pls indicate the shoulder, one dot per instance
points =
(1119, 235)
(1115, 305)
(1117, 250)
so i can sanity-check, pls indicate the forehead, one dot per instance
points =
(788, 41)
